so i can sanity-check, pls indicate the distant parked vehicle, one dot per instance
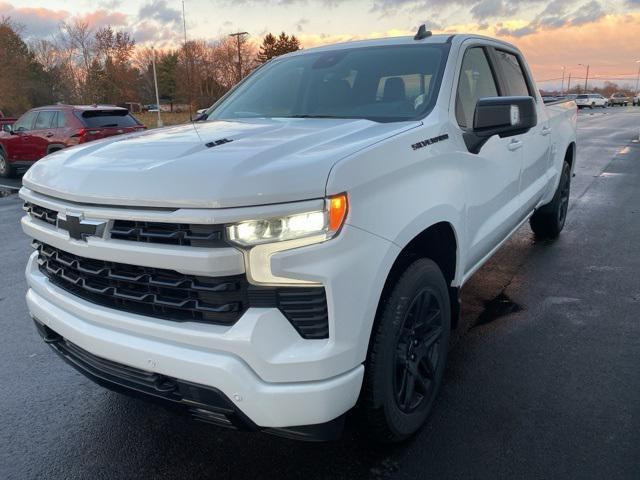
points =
(636, 99)
(619, 99)
(591, 100)
(44, 130)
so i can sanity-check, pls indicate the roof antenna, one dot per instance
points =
(422, 33)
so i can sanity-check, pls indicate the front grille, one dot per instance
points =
(173, 296)
(41, 213)
(169, 233)
(147, 291)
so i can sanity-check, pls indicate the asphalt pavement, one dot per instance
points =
(543, 379)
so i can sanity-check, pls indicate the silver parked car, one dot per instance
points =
(619, 99)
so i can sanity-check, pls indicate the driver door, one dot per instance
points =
(19, 147)
(493, 174)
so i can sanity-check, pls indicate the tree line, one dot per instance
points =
(82, 65)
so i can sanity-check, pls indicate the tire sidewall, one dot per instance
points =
(421, 273)
(5, 168)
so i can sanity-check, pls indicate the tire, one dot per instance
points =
(6, 170)
(548, 221)
(407, 354)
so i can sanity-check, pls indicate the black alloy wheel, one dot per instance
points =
(407, 354)
(417, 353)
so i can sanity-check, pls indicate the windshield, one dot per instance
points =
(385, 84)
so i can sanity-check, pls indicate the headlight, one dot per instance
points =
(323, 224)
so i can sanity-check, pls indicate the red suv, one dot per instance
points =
(44, 130)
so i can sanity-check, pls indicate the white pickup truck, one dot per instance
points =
(301, 251)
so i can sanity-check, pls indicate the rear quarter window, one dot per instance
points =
(106, 118)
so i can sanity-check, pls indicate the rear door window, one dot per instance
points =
(513, 74)
(106, 118)
(45, 120)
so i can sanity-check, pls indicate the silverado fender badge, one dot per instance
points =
(429, 141)
(79, 228)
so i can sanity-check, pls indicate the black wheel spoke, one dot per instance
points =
(428, 367)
(431, 338)
(409, 389)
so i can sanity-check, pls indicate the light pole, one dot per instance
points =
(586, 79)
(638, 77)
(562, 87)
(155, 82)
(239, 36)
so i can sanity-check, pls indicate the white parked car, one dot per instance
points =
(591, 100)
(302, 250)
(636, 99)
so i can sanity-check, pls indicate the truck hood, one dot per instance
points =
(264, 161)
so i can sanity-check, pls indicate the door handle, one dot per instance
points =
(545, 131)
(49, 135)
(515, 145)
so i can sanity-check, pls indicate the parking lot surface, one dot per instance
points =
(542, 380)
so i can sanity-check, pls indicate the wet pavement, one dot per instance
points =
(542, 380)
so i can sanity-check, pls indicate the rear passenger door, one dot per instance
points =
(493, 174)
(536, 151)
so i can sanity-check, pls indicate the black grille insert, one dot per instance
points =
(41, 213)
(146, 291)
(173, 296)
(169, 233)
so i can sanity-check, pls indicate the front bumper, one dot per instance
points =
(275, 378)
(204, 404)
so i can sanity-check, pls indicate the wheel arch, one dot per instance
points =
(54, 147)
(438, 242)
(570, 155)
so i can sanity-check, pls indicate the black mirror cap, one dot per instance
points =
(503, 116)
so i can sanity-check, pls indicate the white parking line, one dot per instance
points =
(10, 187)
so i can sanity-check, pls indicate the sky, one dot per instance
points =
(553, 34)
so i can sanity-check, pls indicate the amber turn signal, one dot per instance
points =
(338, 206)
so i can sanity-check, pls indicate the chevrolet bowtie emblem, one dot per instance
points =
(79, 228)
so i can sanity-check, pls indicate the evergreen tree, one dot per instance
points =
(273, 47)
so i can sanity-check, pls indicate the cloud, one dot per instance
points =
(588, 13)
(43, 22)
(102, 18)
(300, 24)
(555, 16)
(160, 11)
(37, 21)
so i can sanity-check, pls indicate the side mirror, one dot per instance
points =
(503, 116)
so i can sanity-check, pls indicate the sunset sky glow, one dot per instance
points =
(552, 34)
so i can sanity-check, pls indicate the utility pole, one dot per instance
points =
(155, 82)
(586, 79)
(569, 83)
(187, 61)
(239, 36)
(638, 78)
(562, 87)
